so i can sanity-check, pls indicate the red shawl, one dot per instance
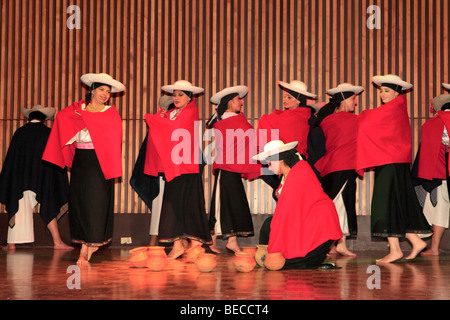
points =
(432, 151)
(340, 135)
(292, 125)
(384, 136)
(305, 217)
(105, 129)
(236, 145)
(173, 145)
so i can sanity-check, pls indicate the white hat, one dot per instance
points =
(298, 87)
(90, 78)
(273, 148)
(48, 112)
(446, 86)
(165, 102)
(439, 101)
(345, 87)
(392, 79)
(182, 85)
(241, 90)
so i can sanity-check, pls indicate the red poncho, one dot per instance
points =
(340, 135)
(384, 136)
(432, 151)
(291, 125)
(305, 217)
(105, 129)
(173, 145)
(236, 145)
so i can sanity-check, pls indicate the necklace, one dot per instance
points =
(92, 108)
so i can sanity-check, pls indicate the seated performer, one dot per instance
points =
(305, 223)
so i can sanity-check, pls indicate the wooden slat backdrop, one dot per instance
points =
(214, 44)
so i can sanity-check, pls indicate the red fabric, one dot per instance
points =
(105, 129)
(305, 217)
(292, 125)
(173, 145)
(340, 136)
(236, 145)
(384, 136)
(432, 151)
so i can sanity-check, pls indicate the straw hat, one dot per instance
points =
(446, 86)
(299, 87)
(90, 78)
(273, 148)
(392, 79)
(165, 102)
(48, 112)
(241, 90)
(439, 101)
(345, 87)
(182, 85)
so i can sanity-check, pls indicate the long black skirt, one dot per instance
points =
(229, 212)
(395, 209)
(91, 201)
(332, 184)
(183, 213)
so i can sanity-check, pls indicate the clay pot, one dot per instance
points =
(157, 258)
(138, 257)
(274, 261)
(192, 253)
(244, 262)
(206, 262)
(260, 254)
(250, 250)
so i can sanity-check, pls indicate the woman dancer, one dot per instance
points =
(384, 143)
(337, 167)
(235, 142)
(173, 149)
(87, 137)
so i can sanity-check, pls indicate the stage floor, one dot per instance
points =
(44, 274)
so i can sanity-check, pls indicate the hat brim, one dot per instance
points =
(286, 85)
(355, 89)
(182, 87)
(48, 112)
(90, 78)
(439, 101)
(379, 80)
(241, 90)
(269, 153)
(446, 86)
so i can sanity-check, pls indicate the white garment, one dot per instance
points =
(23, 230)
(342, 211)
(156, 208)
(439, 215)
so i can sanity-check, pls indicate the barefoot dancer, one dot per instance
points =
(384, 143)
(87, 137)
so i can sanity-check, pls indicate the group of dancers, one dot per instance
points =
(315, 152)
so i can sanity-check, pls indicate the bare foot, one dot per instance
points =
(175, 253)
(83, 258)
(430, 253)
(91, 250)
(9, 247)
(62, 246)
(391, 257)
(233, 247)
(214, 249)
(416, 250)
(343, 251)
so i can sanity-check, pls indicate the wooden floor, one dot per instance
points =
(44, 274)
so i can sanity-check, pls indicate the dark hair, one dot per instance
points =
(94, 86)
(291, 159)
(446, 106)
(37, 115)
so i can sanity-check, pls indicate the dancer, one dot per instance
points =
(26, 181)
(431, 172)
(384, 143)
(337, 167)
(173, 149)
(235, 142)
(305, 223)
(87, 137)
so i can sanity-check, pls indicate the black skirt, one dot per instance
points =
(395, 209)
(91, 201)
(332, 184)
(183, 214)
(230, 213)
